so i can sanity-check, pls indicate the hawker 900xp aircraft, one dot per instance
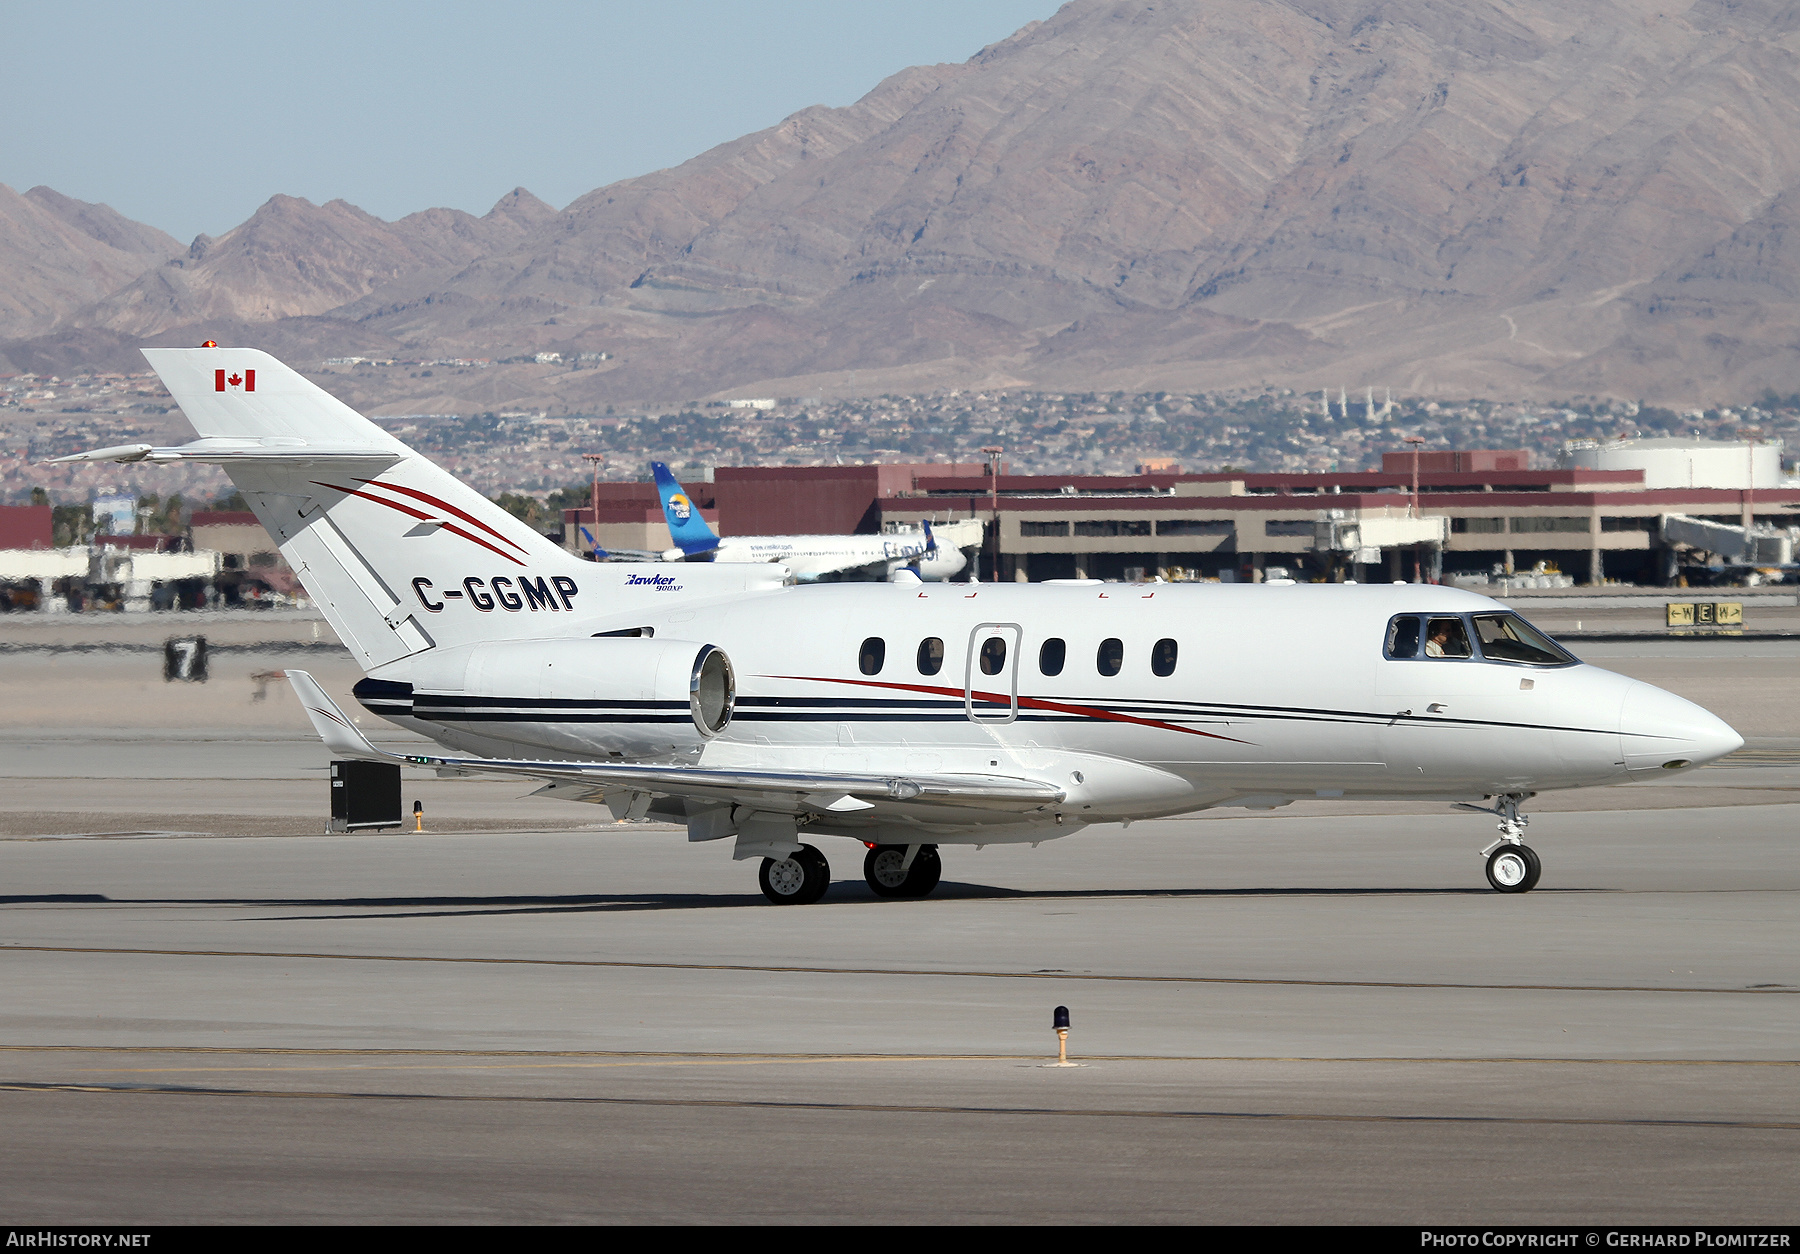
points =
(905, 716)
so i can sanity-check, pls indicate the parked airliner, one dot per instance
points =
(929, 552)
(906, 716)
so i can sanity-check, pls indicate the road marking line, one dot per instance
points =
(904, 1108)
(904, 971)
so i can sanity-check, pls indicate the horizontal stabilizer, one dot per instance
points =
(228, 452)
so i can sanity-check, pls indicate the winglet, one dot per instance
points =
(334, 727)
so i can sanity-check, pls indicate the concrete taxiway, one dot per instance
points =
(530, 1013)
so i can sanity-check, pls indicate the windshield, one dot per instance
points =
(1509, 638)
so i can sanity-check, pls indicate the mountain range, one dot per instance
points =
(1448, 197)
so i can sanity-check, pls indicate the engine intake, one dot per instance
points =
(712, 690)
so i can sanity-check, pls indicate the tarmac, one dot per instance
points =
(531, 1014)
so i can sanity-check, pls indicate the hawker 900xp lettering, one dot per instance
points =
(662, 583)
(507, 592)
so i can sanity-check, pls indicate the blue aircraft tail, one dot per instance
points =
(686, 527)
(589, 543)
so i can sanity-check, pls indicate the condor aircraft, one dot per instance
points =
(930, 553)
(906, 716)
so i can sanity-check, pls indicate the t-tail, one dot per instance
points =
(686, 527)
(398, 555)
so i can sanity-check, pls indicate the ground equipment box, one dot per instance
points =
(363, 795)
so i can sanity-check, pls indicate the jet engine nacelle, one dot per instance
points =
(624, 694)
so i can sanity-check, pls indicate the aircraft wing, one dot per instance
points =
(835, 792)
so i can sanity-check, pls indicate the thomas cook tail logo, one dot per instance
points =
(680, 507)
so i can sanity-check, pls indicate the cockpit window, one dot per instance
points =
(1509, 638)
(1403, 637)
(1445, 637)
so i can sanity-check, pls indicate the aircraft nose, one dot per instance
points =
(1662, 731)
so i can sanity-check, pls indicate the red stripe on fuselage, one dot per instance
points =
(408, 510)
(443, 505)
(1025, 703)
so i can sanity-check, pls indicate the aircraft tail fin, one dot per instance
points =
(384, 541)
(686, 527)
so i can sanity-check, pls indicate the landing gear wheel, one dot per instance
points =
(1513, 869)
(799, 879)
(888, 875)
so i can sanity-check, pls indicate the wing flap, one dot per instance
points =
(822, 790)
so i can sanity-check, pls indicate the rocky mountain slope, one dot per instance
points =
(58, 254)
(1496, 197)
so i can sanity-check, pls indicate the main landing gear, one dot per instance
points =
(902, 870)
(799, 879)
(1512, 865)
(802, 877)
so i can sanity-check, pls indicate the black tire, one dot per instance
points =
(881, 868)
(799, 879)
(927, 870)
(1537, 867)
(1513, 869)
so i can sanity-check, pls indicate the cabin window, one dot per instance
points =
(872, 655)
(1447, 638)
(1509, 638)
(1403, 637)
(1162, 658)
(1051, 656)
(1110, 656)
(993, 655)
(931, 656)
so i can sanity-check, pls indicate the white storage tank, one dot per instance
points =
(1673, 463)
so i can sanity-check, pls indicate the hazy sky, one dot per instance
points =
(188, 114)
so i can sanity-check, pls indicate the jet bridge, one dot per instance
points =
(1754, 546)
(1361, 534)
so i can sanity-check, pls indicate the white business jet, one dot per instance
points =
(929, 553)
(905, 716)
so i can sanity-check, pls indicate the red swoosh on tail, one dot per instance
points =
(443, 505)
(408, 510)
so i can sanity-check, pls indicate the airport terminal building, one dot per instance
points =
(1477, 512)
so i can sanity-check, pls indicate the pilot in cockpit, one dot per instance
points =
(1445, 637)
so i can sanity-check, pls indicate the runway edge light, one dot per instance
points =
(1059, 1020)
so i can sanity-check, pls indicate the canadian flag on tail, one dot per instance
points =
(234, 381)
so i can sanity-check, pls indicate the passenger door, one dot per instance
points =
(991, 673)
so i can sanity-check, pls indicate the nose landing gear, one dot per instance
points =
(1513, 868)
(1512, 865)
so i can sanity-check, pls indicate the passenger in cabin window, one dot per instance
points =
(1445, 638)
